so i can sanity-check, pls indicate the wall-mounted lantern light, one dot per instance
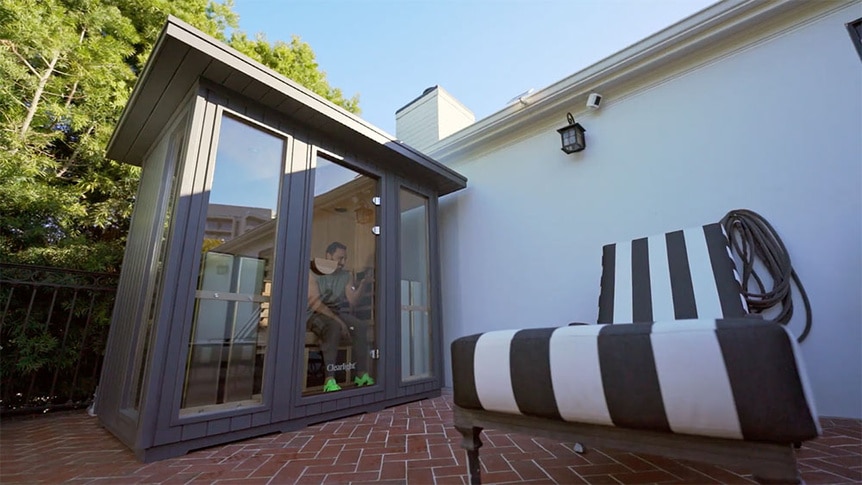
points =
(572, 136)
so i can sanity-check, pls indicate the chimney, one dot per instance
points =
(431, 117)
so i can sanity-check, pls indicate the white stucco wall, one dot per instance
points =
(774, 127)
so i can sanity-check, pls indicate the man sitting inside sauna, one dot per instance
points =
(332, 292)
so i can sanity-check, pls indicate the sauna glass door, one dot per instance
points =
(228, 341)
(341, 328)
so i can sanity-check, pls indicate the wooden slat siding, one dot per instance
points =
(240, 422)
(256, 91)
(168, 164)
(237, 81)
(606, 295)
(388, 261)
(271, 98)
(177, 332)
(165, 101)
(641, 289)
(291, 285)
(680, 276)
(530, 370)
(143, 272)
(771, 402)
(216, 72)
(261, 418)
(173, 435)
(287, 106)
(677, 344)
(127, 317)
(435, 280)
(576, 373)
(623, 283)
(330, 406)
(157, 81)
(371, 398)
(272, 119)
(190, 431)
(217, 426)
(628, 369)
(298, 412)
(151, 403)
(491, 367)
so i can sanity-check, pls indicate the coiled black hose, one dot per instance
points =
(753, 238)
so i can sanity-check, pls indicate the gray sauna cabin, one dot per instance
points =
(248, 180)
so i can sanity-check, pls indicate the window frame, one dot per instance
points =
(854, 28)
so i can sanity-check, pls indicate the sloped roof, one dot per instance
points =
(183, 55)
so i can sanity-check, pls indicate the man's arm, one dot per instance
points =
(315, 303)
(354, 291)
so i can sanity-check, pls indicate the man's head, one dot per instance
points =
(337, 252)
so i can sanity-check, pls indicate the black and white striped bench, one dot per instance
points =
(698, 379)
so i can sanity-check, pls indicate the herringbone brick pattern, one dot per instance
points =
(413, 443)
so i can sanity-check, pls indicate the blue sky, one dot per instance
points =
(484, 52)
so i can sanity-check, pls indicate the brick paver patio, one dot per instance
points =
(413, 443)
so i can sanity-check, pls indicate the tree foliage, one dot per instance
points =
(294, 59)
(67, 68)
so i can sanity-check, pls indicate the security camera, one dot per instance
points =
(594, 100)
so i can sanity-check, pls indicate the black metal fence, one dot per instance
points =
(53, 330)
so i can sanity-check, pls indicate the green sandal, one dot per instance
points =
(330, 385)
(364, 380)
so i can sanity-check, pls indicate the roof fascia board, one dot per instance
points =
(136, 92)
(257, 73)
(243, 64)
(707, 27)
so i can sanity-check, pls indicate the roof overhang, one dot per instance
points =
(695, 37)
(183, 56)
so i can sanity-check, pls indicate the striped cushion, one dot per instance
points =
(733, 378)
(678, 275)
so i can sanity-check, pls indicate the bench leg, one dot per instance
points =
(782, 470)
(470, 441)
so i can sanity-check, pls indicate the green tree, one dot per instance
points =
(295, 60)
(67, 68)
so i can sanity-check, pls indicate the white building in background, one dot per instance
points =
(745, 104)
(434, 115)
(225, 222)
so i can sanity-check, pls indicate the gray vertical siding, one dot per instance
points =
(118, 378)
(161, 431)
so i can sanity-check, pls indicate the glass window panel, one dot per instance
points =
(228, 343)
(416, 331)
(172, 164)
(341, 327)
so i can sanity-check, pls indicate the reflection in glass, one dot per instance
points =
(229, 333)
(340, 325)
(172, 165)
(415, 309)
